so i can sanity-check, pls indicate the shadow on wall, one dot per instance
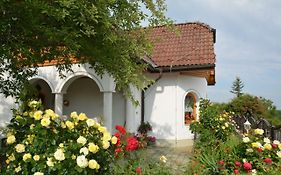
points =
(6, 106)
(162, 131)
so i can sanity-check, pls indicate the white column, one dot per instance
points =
(59, 103)
(133, 113)
(130, 117)
(107, 110)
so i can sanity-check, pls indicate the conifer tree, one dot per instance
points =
(237, 87)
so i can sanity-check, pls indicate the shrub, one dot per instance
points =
(212, 123)
(41, 142)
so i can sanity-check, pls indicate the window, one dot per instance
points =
(189, 108)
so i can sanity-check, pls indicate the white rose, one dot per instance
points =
(90, 122)
(82, 161)
(59, 155)
(246, 139)
(266, 140)
(50, 162)
(84, 150)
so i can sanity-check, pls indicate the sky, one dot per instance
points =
(248, 43)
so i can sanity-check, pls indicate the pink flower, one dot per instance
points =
(238, 164)
(259, 150)
(221, 162)
(236, 171)
(267, 161)
(247, 166)
(138, 170)
(121, 129)
(274, 145)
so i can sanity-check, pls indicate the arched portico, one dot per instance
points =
(45, 91)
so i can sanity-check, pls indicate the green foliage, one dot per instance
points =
(104, 33)
(212, 123)
(139, 161)
(258, 107)
(41, 141)
(237, 87)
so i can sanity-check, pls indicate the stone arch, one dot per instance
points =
(63, 85)
(37, 77)
(190, 111)
(45, 91)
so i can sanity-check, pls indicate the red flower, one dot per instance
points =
(267, 161)
(259, 150)
(138, 170)
(221, 162)
(121, 129)
(132, 144)
(247, 166)
(274, 145)
(238, 164)
(236, 171)
(117, 151)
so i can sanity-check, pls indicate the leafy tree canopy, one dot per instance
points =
(104, 33)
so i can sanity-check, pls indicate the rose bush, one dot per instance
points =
(41, 142)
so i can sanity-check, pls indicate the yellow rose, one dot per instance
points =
(259, 131)
(18, 169)
(82, 140)
(73, 157)
(106, 136)
(49, 112)
(82, 116)
(114, 140)
(61, 145)
(90, 122)
(62, 125)
(26, 156)
(36, 157)
(20, 148)
(93, 148)
(32, 126)
(50, 162)
(37, 115)
(102, 129)
(69, 124)
(163, 159)
(45, 122)
(279, 146)
(256, 145)
(74, 115)
(11, 139)
(267, 146)
(93, 164)
(11, 157)
(105, 144)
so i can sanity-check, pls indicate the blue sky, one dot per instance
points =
(248, 43)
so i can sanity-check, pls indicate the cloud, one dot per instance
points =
(248, 42)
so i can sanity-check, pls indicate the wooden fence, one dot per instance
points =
(270, 131)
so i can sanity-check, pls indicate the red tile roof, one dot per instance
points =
(188, 44)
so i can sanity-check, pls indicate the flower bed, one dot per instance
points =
(40, 142)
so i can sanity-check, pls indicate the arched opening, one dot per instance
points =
(43, 93)
(190, 108)
(83, 95)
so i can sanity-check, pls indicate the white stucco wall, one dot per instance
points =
(164, 104)
(6, 104)
(164, 100)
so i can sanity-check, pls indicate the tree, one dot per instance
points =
(107, 34)
(237, 87)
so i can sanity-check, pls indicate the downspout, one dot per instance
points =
(143, 95)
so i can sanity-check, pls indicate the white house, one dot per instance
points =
(182, 65)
